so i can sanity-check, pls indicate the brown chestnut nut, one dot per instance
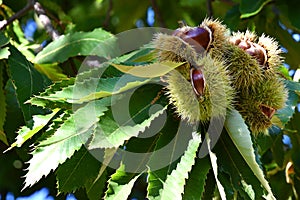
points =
(267, 111)
(198, 81)
(195, 36)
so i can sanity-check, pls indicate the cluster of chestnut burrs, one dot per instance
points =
(222, 71)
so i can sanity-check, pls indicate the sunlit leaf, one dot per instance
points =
(149, 71)
(109, 133)
(25, 133)
(120, 184)
(68, 138)
(97, 42)
(52, 71)
(4, 53)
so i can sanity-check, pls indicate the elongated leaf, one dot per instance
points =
(39, 100)
(173, 187)
(149, 71)
(52, 71)
(170, 146)
(2, 107)
(74, 173)
(27, 81)
(249, 8)
(74, 132)
(214, 164)
(240, 135)
(95, 187)
(120, 184)
(109, 134)
(97, 42)
(195, 184)
(25, 133)
(233, 170)
(95, 88)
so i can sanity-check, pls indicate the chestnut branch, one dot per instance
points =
(19, 14)
(39, 10)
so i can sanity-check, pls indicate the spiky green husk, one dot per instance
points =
(220, 35)
(273, 52)
(217, 97)
(173, 48)
(244, 70)
(271, 93)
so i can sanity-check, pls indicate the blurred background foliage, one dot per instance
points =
(277, 18)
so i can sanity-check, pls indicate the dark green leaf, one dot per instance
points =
(195, 184)
(3, 39)
(74, 173)
(26, 80)
(2, 107)
(249, 8)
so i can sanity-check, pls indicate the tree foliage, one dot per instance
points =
(81, 114)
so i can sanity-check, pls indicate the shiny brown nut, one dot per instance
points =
(198, 81)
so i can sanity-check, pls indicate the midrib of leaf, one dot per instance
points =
(67, 44)
(74, 169)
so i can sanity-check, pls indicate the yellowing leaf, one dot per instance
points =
(149, 71)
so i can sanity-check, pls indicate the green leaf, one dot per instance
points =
(214, 164)
(109, 133)
(68, 138)
(25, 133)
(195, 184)
(39, 100)
(240, 135)
(74, 173)
(120, 184)
(3, 39)
(250, 8)
(98, 42)
(172, 143)
(4, 53)
(149, 71)
(95, 88)
(26, 80)
(95, 187)
(2, 107)
(173, 187)
(233, 169)
(292, 85)
(52, 71)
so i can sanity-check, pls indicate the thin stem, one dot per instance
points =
(209, 8)
(44, 19)
(19, 14)
(158, 13)
(108, 13)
